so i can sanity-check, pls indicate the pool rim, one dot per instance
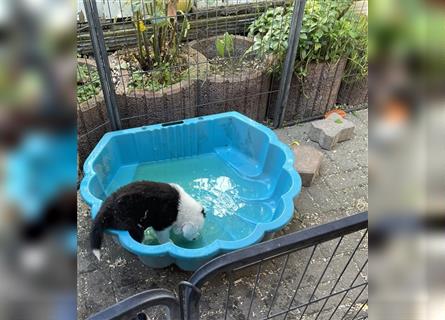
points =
(217, 246)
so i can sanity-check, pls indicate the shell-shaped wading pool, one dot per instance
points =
(237, 168)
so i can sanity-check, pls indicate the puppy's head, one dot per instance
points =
(191, 215)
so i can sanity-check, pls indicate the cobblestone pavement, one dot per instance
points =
(340, 190)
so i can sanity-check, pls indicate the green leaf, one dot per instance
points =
(225, 45)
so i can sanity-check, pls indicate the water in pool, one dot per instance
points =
(228, 197)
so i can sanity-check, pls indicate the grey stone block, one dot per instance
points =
(328, 132)
(307, 162)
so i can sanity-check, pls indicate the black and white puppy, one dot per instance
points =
(142, 204)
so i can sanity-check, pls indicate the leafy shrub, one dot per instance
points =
(159, 50)
(88, 84)
(357, 67)
(327, 33)
(271, 32)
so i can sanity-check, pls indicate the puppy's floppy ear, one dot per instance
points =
(188, 231)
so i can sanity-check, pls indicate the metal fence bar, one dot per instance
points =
(322, 276)
(288, 68)
(257, 253)
(299, 282)
(344, 296)
(291, 242)
(187, 306)
(361, 308)
(103, 67)
(133, 305)
(252, 297)
(345, 291)
(278, 285)
(223, 18)
(355, 300)
(342, 272)
(228, 294)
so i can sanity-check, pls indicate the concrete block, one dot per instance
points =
(307, 162)
(328, 132)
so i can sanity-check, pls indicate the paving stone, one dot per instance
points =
(324, 199)
(303, 202)
(328, 166)
(298, 132)
(282, 135)
(353, 199)
(344, 158)
(362, 158)
(328, 132)
(313, 202)
(307, 162)
(362, 114)
(341, 181)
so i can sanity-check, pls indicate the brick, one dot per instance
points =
(307, 162)
(328, 132)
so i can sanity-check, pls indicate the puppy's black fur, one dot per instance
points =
(134, 208)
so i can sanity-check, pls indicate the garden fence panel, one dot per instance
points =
(316, 273)
(216, 65)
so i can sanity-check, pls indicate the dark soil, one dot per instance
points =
(232, 67)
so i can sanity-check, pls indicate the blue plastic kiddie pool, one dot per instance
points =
(237, 168)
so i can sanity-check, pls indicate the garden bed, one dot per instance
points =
(318, 91)
(148, 102)
(353, 93)
(92, 117)
(236, 83)
(313, 95)
(91, 109)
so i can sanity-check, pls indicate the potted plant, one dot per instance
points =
(160, 74)
(354, 86)
(234, 78)
(321, 56)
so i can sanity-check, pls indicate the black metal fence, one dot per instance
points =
(316, 273)
(144, 62)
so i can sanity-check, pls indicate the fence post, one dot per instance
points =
(288, 68)
(103, 67)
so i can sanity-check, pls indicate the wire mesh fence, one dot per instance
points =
(92, 118)
(316, 273)
(171, 60)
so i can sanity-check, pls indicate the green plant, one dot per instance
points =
(271, 32)
(155, 80)
(88, 84)
(159, 50)
(357, 67)
(327, 33)
(225, 45)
